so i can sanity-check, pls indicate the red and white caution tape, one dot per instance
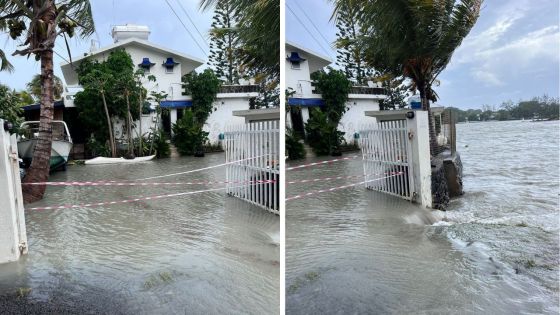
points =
(202, 169)
(321, 163)
(315, 192)
(114, 183)
(326, 179)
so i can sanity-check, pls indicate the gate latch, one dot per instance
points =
(410, 135)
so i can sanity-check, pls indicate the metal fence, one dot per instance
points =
(253, 170)
(444, 126)
(386, 158)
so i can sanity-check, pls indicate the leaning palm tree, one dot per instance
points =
(258, 30)
(414, 38)
(38, 23)
(34, 87)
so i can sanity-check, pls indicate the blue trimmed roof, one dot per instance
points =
(170, 62)
(294, 57)
(175, 104)
(146, 63)
(57, 104)
(306, 102)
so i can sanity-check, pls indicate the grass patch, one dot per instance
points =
(23, 292)
(165, 277)
(312, 276)
(530, 263)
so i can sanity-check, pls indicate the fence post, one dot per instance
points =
(13, 237)
(419, 135)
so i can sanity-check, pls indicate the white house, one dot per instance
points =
(168, 66)
(300, 64)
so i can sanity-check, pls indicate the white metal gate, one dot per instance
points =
(387, 160)
(253, 170)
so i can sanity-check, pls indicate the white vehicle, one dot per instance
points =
(61, 143)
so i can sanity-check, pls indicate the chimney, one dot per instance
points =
(123, 32)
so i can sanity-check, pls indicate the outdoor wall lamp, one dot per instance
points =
(410, 115)
(8, 126)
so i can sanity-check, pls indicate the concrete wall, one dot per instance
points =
(13, 237)
(421, 161)
(354, 118)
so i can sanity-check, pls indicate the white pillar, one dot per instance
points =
(172, 118)
(305, 114)
(418, 130)
(13, 237)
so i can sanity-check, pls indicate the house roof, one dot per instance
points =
(316, 60)
(71, 77)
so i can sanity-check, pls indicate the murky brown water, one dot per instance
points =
(204, 253)
(356, 251)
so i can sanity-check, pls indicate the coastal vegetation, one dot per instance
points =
(412, 39)
(542, 108)
(189, 136)
(38, 24)
(10, 106)
(322, 127)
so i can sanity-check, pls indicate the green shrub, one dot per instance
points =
(188, 135)
(295, 148)
(161, 145)
(322, 135)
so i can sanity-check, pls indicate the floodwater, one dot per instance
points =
(495, 251)
(193, 254)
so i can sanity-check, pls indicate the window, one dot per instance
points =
(146, 69)
(295, 65)
(169, 69)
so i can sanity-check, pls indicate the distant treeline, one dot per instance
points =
(544, 107)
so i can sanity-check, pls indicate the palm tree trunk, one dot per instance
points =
(110, 126)
(426, 106)
(129, 127)
(141, 137)
(40, 165)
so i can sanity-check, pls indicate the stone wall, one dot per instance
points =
(447, 179)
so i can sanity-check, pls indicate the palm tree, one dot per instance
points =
(34, 87)
(414, 38)
(38, 23)
(259, 32)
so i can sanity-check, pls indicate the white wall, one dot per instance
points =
(223, 117)
(12, 219)
(354, 117)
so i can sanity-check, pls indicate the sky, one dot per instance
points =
(166, 30)
(512, 53)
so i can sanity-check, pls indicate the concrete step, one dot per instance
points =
(173, 151)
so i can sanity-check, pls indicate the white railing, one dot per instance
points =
(13, 237)
(387, 159)
(252, 151)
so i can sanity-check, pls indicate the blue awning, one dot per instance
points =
(170, 62)
(175, 104)
(57, 104)
(305, 102)
(294, 57)
(146, 63)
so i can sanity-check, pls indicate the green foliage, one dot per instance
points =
(269, 94)
(294, 147)
(161, 145)
(322, 134)
(543, 107)
(189, 137)
(203, 88)
(225, 51)
(10, 109)
(396, 94)
(34, 87)
(322, 127)
(37, 25)
(258, 32)
(97, 148)
(412, 38)
(25, 98)
(111, 77)
(350, 55)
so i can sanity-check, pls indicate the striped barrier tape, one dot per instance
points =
(336, 178)
(321, 163)
(114, 183)
(315, 192)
